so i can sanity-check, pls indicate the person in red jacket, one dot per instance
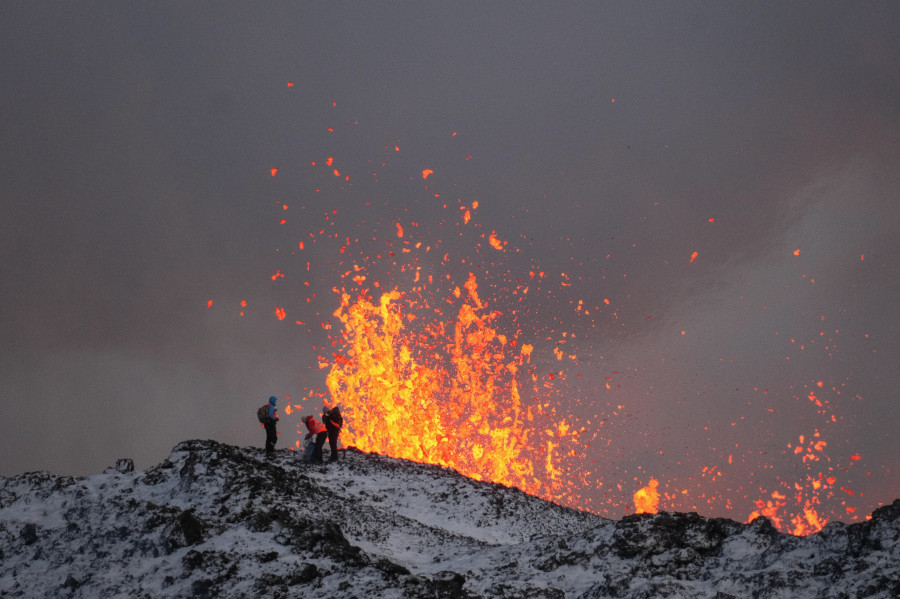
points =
(316, 429)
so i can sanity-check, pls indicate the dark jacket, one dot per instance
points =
(333, 419)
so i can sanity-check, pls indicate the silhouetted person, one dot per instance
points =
(271, 430)
(333, 423)
(316, 429)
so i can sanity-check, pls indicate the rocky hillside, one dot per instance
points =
(214, 520)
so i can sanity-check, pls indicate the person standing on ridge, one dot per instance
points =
(333, 423)
(271, 429)
(316, 429)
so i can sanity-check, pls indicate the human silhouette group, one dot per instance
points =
(317, 432)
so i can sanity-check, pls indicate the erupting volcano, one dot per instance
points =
(444, 343)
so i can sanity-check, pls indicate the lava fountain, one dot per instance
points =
(440, 352)
(444, 390)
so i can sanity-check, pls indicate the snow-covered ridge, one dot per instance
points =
(215, 520)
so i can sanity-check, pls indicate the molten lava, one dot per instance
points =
(443, 391)
(646, 500)
(438, 368)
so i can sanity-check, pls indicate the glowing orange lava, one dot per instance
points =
(433, 365)
(443, 391)
(646, 500)
(438, 376)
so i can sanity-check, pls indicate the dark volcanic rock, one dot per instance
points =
(29, 534)
(214, 520)
(184, 530)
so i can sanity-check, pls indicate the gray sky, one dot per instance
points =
(609, 141)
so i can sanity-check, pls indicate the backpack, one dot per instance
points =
(263, 414)
(332, 419)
